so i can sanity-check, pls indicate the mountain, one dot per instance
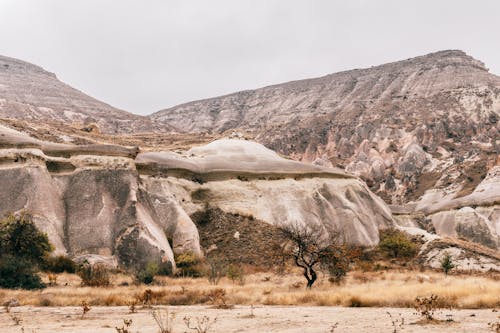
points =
(29, 92)
(388, 123)
(423, 133)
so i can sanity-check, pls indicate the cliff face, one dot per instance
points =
(109, 203)
(29, 92)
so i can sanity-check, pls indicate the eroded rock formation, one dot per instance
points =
(105, 203)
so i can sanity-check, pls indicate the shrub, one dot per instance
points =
(426, 306)
(397, 244)
(235, 274)
(189, 264)
(22, 250)
(146, 275)
(18, 273)
(59, 264)
(447, 263)
(20, 237)
(96, 275)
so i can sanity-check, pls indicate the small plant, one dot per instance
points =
(397, 323)
(447, 263)
(164, 320)
(85, 308)
(199, 325)
(426, 306)
(126, 326)
(235, 274)
(215, 271)
(96, 275)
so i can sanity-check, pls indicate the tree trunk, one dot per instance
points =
(311, 277)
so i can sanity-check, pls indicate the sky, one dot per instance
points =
(144, 56)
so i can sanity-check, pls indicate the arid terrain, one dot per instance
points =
(399, 161)
(289, 319)
(265, 303)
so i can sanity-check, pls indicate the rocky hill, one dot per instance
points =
(29, 92)
(424, 133)
(385, 123)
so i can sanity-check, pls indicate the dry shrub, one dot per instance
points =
(96, 275)
(426, 306)
(217, 297)
(199, 325)
(164, 319)
(126, 326)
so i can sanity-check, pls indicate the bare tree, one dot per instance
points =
(313, 248)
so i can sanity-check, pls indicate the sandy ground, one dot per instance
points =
(239, 319)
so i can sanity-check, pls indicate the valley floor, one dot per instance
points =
(293, 319)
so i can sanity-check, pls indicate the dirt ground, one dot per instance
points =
(240, 319)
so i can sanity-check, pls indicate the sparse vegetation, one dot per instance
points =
(199, 325)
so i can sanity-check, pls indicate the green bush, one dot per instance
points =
(96, 275)
(18, 273)
(23, 249)
(147, 274)
(397, 244)
(59, 264)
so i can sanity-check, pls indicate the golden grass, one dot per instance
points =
(372, 289)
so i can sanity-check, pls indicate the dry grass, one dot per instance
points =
(367, 289)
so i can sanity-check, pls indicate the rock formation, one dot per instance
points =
(424, 133)
(102, 202)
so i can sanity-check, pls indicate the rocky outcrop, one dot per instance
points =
(244, 178)
(102, 203)
(29, 92)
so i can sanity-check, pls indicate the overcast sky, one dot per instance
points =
(146, 55)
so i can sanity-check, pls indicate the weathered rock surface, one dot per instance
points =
(244, 178)
(29, 92)
(103, 205)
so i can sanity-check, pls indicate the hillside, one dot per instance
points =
(29, 92)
